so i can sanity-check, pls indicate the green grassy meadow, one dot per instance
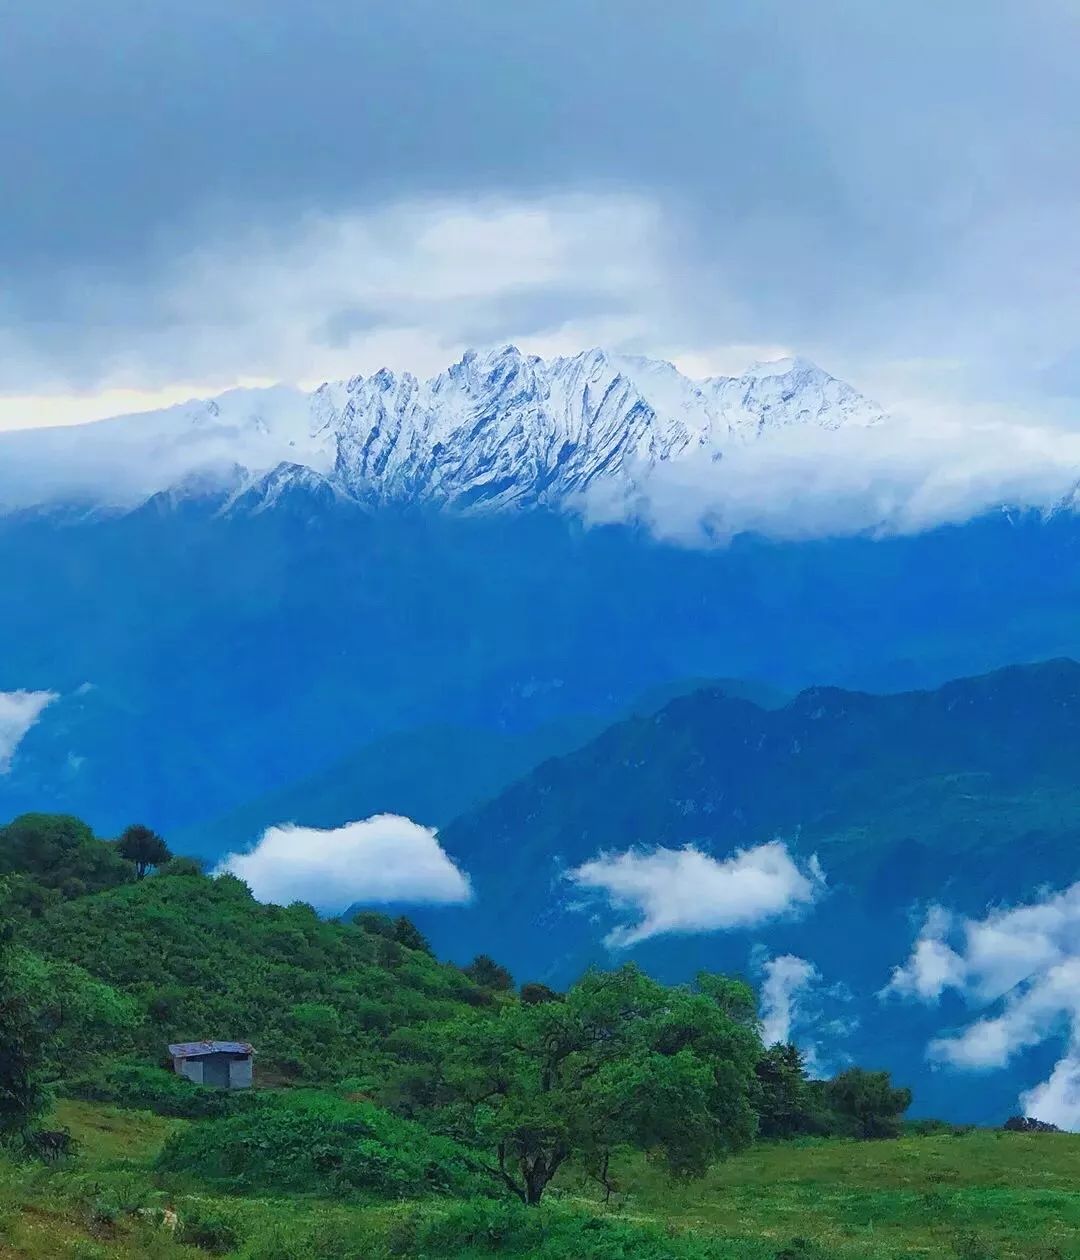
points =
(975, 1196)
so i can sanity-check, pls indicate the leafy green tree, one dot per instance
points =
(734, 997)
(144, 847)
(866, 1103)
(622, 1062)
(408, 934)
(79, 1018)
(487, 974)
(56, 857)
(22, 1046)
(188, 867)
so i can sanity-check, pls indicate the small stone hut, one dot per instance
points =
(221, 1064)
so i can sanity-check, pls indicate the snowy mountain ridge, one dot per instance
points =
(495, 430)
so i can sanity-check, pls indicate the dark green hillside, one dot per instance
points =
(204, 960)
(922, 780)
(980, 761)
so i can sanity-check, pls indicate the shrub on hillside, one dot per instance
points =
(1028, 1124)
(208, 1227)
(929, 1127)
(154, 1089)
(317, 1143)
(479, 1227)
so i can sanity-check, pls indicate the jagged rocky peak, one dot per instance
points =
(288, 487)
(497, 429)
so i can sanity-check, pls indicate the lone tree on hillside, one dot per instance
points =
(408, 934)
(143, 847)
(485, 972)
(621, 1061)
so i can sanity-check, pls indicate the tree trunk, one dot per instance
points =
(535, 1184)
(538, 1174)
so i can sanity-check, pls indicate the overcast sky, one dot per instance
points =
(199, 194)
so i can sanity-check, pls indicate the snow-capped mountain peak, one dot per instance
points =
(497, 429)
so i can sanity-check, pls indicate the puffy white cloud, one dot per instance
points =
(19, 710)
(1021, 965)
(686, 890)
(933, 966)
(386, 858)
(786, 977)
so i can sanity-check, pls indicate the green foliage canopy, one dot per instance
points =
(623, 1061)
(142, 847)
(867, 1104)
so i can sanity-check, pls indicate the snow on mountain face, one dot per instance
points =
(494, 431)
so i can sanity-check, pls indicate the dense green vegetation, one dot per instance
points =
(410, 1108)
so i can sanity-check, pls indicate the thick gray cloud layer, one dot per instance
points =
(889, 188)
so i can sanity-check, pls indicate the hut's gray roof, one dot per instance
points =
(192, 1049)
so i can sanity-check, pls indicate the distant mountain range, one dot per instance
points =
(494, 431)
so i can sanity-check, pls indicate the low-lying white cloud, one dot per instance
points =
(1021, 966)
(899, 477)
(386, 858)
(786, 978)
(688, 891)
(19, 710)
(1057, 1099)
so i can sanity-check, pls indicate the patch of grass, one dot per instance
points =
(1010, 1195)
(108, 1134)
(979, 1196)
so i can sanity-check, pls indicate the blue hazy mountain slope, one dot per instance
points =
(432, 774)
(203, 660)
(965, 796)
